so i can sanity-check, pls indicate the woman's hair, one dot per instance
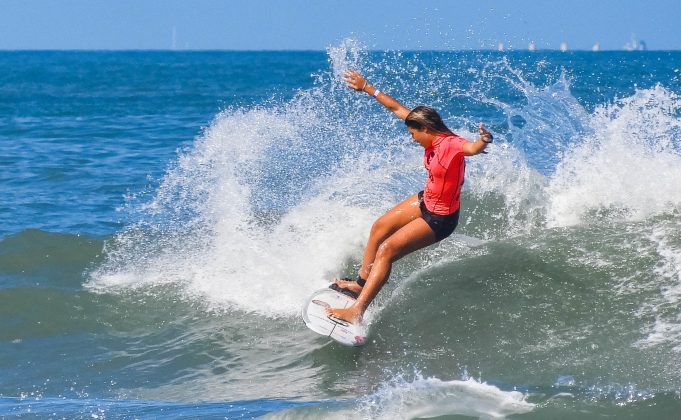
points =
(426, 117)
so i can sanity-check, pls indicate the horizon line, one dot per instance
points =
(508, 50)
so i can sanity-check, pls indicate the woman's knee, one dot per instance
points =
(380, 228)
(387, 250)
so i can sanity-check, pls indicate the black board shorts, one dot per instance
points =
(442, 225)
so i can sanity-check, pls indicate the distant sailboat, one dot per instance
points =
(596, 47)
(635, 44)
(563, 46)
(501, 46)
(532, 46)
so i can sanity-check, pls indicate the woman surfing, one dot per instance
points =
(421, 219)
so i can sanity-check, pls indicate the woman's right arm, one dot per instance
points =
(357, 82)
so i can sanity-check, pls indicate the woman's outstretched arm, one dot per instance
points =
(478, 146)
(357, 82)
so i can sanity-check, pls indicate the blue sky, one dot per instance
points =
(317, 24)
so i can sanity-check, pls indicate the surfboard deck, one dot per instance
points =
(316, 319)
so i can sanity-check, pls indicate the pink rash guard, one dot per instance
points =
(445, 164)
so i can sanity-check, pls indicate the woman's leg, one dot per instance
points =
(411, 237)
(386, 225)
(382, 228)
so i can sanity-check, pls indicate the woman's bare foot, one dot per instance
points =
(352, 315)
(351, 285)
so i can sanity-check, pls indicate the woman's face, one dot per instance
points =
(422, 136)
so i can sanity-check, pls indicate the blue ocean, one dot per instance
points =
(164, 216)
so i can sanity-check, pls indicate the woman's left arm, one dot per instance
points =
(357, 82)
(476, 147)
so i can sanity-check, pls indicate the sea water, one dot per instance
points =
(164, 215)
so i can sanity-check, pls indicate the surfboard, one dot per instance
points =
(316, 319)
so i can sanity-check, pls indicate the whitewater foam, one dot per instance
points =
(634, 145)
(222, 245)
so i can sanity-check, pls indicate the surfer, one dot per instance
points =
(421, 219)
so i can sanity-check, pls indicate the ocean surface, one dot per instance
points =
(164, 215)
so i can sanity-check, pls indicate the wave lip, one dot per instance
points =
(432, 397)
(422, 398)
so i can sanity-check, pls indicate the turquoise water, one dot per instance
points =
(164, 215)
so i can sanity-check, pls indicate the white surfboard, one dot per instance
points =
(316, 319)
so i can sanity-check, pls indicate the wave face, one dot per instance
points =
(559, 293)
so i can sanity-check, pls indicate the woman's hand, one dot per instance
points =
(473, 148)
(354, 80)
(485, 135)
(357, 82)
